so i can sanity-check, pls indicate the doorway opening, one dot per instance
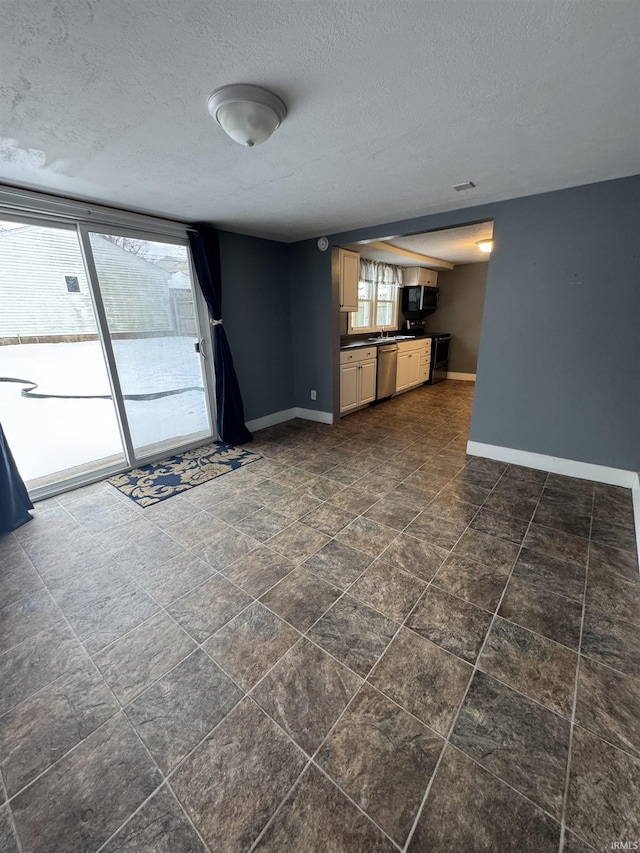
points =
(420, 287)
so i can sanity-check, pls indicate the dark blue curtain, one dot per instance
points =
(205, 249)
(14, 499)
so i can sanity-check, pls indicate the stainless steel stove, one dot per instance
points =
(440, 345)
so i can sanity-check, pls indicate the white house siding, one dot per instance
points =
(33, 294)
(35, 303)
(135, 291)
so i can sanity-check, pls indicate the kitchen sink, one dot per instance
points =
(392, 339)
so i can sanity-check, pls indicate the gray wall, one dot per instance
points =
(559, 364)
(257, 318)
(560, 346)
(460, 307)
(315, 326)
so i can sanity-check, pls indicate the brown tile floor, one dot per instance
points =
(365, 641)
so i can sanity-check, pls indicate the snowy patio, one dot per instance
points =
(55, 435)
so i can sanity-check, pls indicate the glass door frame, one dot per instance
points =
(203, 327)
(74, 482)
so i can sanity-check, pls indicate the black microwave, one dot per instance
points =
(419, 298)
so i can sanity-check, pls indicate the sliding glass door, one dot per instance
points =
(102, 351)
(149, 306)
(56, 405)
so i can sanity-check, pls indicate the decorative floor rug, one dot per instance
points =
(161, 480)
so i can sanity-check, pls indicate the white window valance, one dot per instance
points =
(375, 272)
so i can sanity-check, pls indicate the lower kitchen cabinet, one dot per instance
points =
(358, 369)
(349, 375)
(368, 371)
(408, 370)
(414, 359)
(357, 384)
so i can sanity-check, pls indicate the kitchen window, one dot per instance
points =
(378, 292)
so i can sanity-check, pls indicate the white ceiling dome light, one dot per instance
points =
(485, 245)
(248, 114)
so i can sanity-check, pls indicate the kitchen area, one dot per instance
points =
(391, 293)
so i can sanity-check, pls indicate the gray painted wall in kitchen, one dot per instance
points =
(460, 307)
(256, 311)
(560, 347)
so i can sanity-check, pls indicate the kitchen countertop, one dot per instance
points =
(378, 341)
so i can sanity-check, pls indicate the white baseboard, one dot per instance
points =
(288, 415)
(465, 377)
(635, 494)
(270, 420)
(314, 415)
(554, 464)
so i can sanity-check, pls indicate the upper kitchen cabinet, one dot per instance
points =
(349, 278)
(420, 275)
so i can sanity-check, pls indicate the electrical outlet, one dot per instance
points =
(313, 394)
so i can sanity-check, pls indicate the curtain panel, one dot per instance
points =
(375, 272)
(14, 498)
(205, 249)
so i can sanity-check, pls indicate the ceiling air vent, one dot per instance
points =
(468, 185)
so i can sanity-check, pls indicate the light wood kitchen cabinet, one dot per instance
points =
(368, 381)
(425, 364)
(358, 372)
(349, 375)
(413, 363)
(420, 275)
(349, 277)
(408, 370)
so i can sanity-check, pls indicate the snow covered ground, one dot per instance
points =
(51, 435)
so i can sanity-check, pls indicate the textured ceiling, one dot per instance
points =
(390, 103)
(455, 245)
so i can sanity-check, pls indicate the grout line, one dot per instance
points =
(311, 760)
(129, 818)
(618, 672)
(139, 584)
(336, 723)
(341, 715)
(186, 813)
(12, 822)
(475, 669)
(120, 710)
(317, 766)
(408, 431)
(565, 794)
(338, 720)
(72, 749)
(510, 785)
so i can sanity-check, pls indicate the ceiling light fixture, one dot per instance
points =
(485, 245)
(248, 114)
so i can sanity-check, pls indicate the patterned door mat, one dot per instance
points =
(161, 480)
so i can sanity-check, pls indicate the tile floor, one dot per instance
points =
(365, 641)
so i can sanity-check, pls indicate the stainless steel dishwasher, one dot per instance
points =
(387, 365)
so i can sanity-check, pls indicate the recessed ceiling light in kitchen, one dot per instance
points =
(468, 185)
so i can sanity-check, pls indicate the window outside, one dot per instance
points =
(377, 307)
